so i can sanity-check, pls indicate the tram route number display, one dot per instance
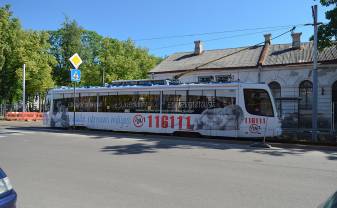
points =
(162, 121)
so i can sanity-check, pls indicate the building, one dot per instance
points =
(286, 68)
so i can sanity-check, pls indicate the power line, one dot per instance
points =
(216, 32)
(235, 52)
(215, 39)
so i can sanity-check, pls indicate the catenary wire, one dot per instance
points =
(227, 55)
(217, 32)
(215, 39)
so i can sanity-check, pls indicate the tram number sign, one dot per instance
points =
(163, 121)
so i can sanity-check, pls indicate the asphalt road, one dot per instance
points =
(62, 169)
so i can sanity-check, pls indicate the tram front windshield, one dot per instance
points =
(258, 102)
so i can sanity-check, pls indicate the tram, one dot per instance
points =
(230, 109)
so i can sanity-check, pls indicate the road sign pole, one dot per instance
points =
(74, 104)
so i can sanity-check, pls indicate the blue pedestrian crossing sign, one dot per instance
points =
(75, 75)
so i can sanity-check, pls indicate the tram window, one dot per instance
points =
(47, 103)
(148, 102)
(127, 101)
(169, 101)
(68, 102)
(87, 104)
(258, 102)
(59, 103)
(107, 102)
(196, 102)
(225, 97)
(153, 102)
(111, 104)
(209, 96)
(181, 101)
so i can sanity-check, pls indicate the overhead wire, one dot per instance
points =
(235, 52)
(220, 38)
(217, 32)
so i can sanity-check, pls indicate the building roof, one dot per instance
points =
(277, 54)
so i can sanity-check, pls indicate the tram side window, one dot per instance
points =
(258, 102)
(68, 102)
(47, 103)
(175, 101)
(59, 103)
(195, 103)
(148, 102)
(87, 104)
(225, 97)
(181, 101)
(108, 102)
(209, 97)
(169, 104)
(127, 101)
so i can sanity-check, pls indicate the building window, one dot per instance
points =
(205, 79)
(275, 88)
(224, 78)
(305, 92)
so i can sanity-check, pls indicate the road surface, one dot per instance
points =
(63, 168)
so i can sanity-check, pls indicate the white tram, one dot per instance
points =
(215, 109)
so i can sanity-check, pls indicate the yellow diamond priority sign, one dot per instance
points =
(75, 60)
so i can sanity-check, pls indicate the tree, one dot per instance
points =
(122, 60)
(65, 42)
(327, 33)
(10, 33)
(16, 48)
(34, 52)
(91, 43)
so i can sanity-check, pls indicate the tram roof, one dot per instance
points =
(155, 87)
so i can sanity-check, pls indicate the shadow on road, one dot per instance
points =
(152, 143)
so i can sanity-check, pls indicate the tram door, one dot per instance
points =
(334, 104)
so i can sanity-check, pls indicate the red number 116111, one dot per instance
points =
(166, 121)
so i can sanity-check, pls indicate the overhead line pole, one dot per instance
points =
(24, 88)
(314, 77)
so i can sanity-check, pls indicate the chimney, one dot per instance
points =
(267, 38)
(296, 40)
(198, 47)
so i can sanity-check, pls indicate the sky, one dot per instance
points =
(148, 19)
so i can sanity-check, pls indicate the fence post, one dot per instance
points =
(333, 116)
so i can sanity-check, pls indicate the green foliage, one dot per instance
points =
(10, 33)
(34, 52)
(327, 33)
(46, 55)
(65, 42)
(16, 48)
(122, 60)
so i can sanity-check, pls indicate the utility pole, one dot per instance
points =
(24, 88)
(103, 78)
(314, 77)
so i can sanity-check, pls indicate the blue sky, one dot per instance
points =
(138, 20)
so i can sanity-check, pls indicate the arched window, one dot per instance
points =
(305, 92)
(275, 88)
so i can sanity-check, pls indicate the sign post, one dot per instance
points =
(75, 76)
